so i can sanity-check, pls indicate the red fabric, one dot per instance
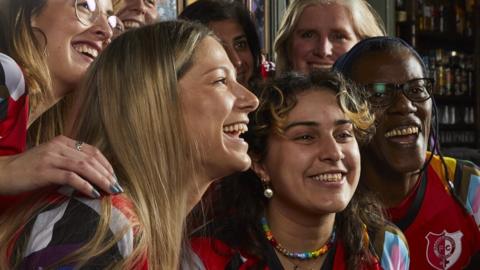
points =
(13, 129)
(443, 235)
(398, 212)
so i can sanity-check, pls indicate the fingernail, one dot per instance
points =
(116, 188)
(119, 188)
(95, 193)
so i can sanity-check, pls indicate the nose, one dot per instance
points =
(246, 101)
(329, 150)
(401, 104)
(102, 29)
(323, 47)
(139, 6)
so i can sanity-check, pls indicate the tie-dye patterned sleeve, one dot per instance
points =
(395, 255)
(470, 192)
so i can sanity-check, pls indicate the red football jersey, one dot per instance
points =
(441, 234)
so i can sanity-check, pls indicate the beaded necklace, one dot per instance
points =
(307, 255)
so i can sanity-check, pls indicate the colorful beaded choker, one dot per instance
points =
(296, 255)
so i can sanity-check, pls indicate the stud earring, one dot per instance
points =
(267, 191)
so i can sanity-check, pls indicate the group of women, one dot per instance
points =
(142, 117)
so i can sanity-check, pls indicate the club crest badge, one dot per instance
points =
(444, 249)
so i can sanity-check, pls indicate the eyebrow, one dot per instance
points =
(240, 37)
(216, 68)
(338, 122)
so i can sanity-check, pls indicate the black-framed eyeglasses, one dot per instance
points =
(383, 94)
(87, 12)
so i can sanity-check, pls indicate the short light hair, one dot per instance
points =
(366, 23)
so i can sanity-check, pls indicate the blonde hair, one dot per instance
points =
(132, 113)
(365, 22)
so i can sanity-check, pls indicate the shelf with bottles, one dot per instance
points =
(454, 75)
(428, 24)
(456, 116)
(445, 18)
(449, 138)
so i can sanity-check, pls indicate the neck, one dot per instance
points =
(196, 190)
(58, 92)
(392, 187)
(299, 232)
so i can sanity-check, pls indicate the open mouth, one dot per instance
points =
(129, 24)
(235, 130)
(328, 177)
(403, 131)
(316, 66)
(86, 50)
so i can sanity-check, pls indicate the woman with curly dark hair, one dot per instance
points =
(300, 207)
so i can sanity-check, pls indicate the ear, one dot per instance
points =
(260, 170)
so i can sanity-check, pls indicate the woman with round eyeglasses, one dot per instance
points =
(53, 42)
(432, 198)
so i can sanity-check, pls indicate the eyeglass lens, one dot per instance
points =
(416, 90)
(87, 12)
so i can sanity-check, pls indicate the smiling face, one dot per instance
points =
(136, 13)
(315, 166)
(235, 42)
(322, 34)
(71, 45)
(216, 109)
(403, 128)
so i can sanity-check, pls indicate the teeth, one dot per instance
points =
(402, 132)
(131, 24)
(239, 127)
(85, 49)
(328, 177)
(316, 66)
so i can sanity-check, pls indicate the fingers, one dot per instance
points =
(85, 162)
(79, 184)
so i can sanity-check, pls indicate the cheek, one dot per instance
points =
(343, 48)
(352, 160)
(299, 49)
(247, 57)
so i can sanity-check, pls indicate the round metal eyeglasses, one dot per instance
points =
(384, 94)
(88, 12)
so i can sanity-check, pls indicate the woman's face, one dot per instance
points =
(403, 127)
(315, 167)
(136, 13)
(216, 108)
(71, 46)
(235, 43)
(323, 33)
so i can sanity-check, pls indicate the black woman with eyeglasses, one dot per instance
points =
(434, 199)
(53, 42)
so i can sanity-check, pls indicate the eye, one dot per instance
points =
(344, 136)
(240, 45)
(221, 81)
(86, 6)
(150, 3)
(304, 138)
(307, 34)
(337, 36)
